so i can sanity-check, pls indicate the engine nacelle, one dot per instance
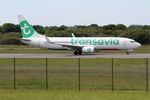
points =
(89, 49)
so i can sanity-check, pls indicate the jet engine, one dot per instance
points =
(88, 49)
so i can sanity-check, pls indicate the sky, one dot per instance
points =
(76, 12)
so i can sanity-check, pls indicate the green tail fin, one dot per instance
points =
(27, 30)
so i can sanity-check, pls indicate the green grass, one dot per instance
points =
(71, 95)
(29, 49)
(96, 74)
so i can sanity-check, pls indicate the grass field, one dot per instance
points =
(96, 74)
(66, 95)
(29, 49)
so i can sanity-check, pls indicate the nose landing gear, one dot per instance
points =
(129, 51)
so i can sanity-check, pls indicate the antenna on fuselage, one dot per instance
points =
(72, 35)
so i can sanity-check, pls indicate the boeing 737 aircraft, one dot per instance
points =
(78, 44)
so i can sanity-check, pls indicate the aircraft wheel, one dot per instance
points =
(75, 53)
(127, 53)
(80, 52)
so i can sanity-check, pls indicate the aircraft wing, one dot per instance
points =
(74, 47)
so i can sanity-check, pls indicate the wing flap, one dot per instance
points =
(72, 46)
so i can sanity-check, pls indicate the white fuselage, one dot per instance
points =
(99, 43)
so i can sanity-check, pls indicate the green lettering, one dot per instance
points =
(72, 41)
(107, 42)
(76, 41)
(82, 42)
(88, 41)
(94, 42)
(100, 42)
(116, 42)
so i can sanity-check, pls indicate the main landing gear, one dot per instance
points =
(77, 52)
(127, 53)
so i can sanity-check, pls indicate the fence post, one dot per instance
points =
(79, 73)
(112, 64)
(147, 74)
(46, 74)
(14, 73)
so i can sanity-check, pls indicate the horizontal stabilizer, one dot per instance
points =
(22, 39)
(47, 39)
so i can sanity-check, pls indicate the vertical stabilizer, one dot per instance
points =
(27, 30)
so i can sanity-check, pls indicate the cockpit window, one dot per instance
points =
(132, 41)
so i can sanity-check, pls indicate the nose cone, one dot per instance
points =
(138, 44)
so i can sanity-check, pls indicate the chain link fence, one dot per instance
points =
(115, 74)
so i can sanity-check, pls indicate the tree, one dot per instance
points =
(121, 27)
(8, 27)
(39, 29)
(94, 25)
(110, 27)
(143, 36)
(62, 28)
(80, 26)
(145, 27)
(135, 26)
(0, 29)
(139, 35)
(9, 39)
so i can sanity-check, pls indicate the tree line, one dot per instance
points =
(140, 33)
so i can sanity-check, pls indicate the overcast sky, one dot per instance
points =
(76, 12)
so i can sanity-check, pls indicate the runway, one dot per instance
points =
(69, 55)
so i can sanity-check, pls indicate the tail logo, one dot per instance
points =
(26, 29)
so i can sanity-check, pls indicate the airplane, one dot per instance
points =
(78, 44)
